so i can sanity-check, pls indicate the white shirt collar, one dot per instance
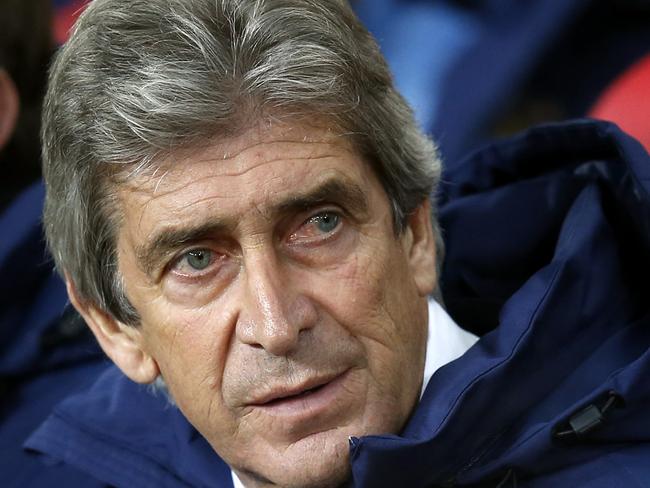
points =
(446, 341)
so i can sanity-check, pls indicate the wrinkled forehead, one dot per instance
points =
(264, 169)
(304, 139)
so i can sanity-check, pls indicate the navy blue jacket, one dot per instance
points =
(548, 256)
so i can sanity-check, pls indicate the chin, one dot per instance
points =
(306, 464)
(332, 477)
(329, 479)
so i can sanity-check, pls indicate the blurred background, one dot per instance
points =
(476, 70)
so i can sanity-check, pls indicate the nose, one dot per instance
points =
(274, 313)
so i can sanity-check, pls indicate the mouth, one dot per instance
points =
(291, 396)
(308, 399)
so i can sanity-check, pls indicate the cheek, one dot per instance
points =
(376, 300)
(189, 347)
(360, 277)
(357, 291)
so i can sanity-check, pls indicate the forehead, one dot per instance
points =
(259, 169)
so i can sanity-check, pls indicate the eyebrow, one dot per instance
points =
(334, 190)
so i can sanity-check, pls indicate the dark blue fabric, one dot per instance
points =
(548, 253)
(46, 352)
(128, 436)
(23, 409)
(33, 298)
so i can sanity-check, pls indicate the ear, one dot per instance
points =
(122, 343)
(419, 245)
(9, 107)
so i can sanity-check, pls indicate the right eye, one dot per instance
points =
(196, 263)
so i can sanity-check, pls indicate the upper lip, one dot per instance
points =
(284, 391)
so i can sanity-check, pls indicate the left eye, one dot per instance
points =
(317, 227)
(325, 222)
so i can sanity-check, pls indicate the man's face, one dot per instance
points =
(277, 302)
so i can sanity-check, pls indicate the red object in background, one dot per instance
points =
(627, 102)
(65, 17)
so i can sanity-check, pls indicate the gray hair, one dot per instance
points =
(140, 79)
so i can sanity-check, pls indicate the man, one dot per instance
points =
(250, 255)
(239, 202)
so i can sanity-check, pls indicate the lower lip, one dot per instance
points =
(306, 405)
